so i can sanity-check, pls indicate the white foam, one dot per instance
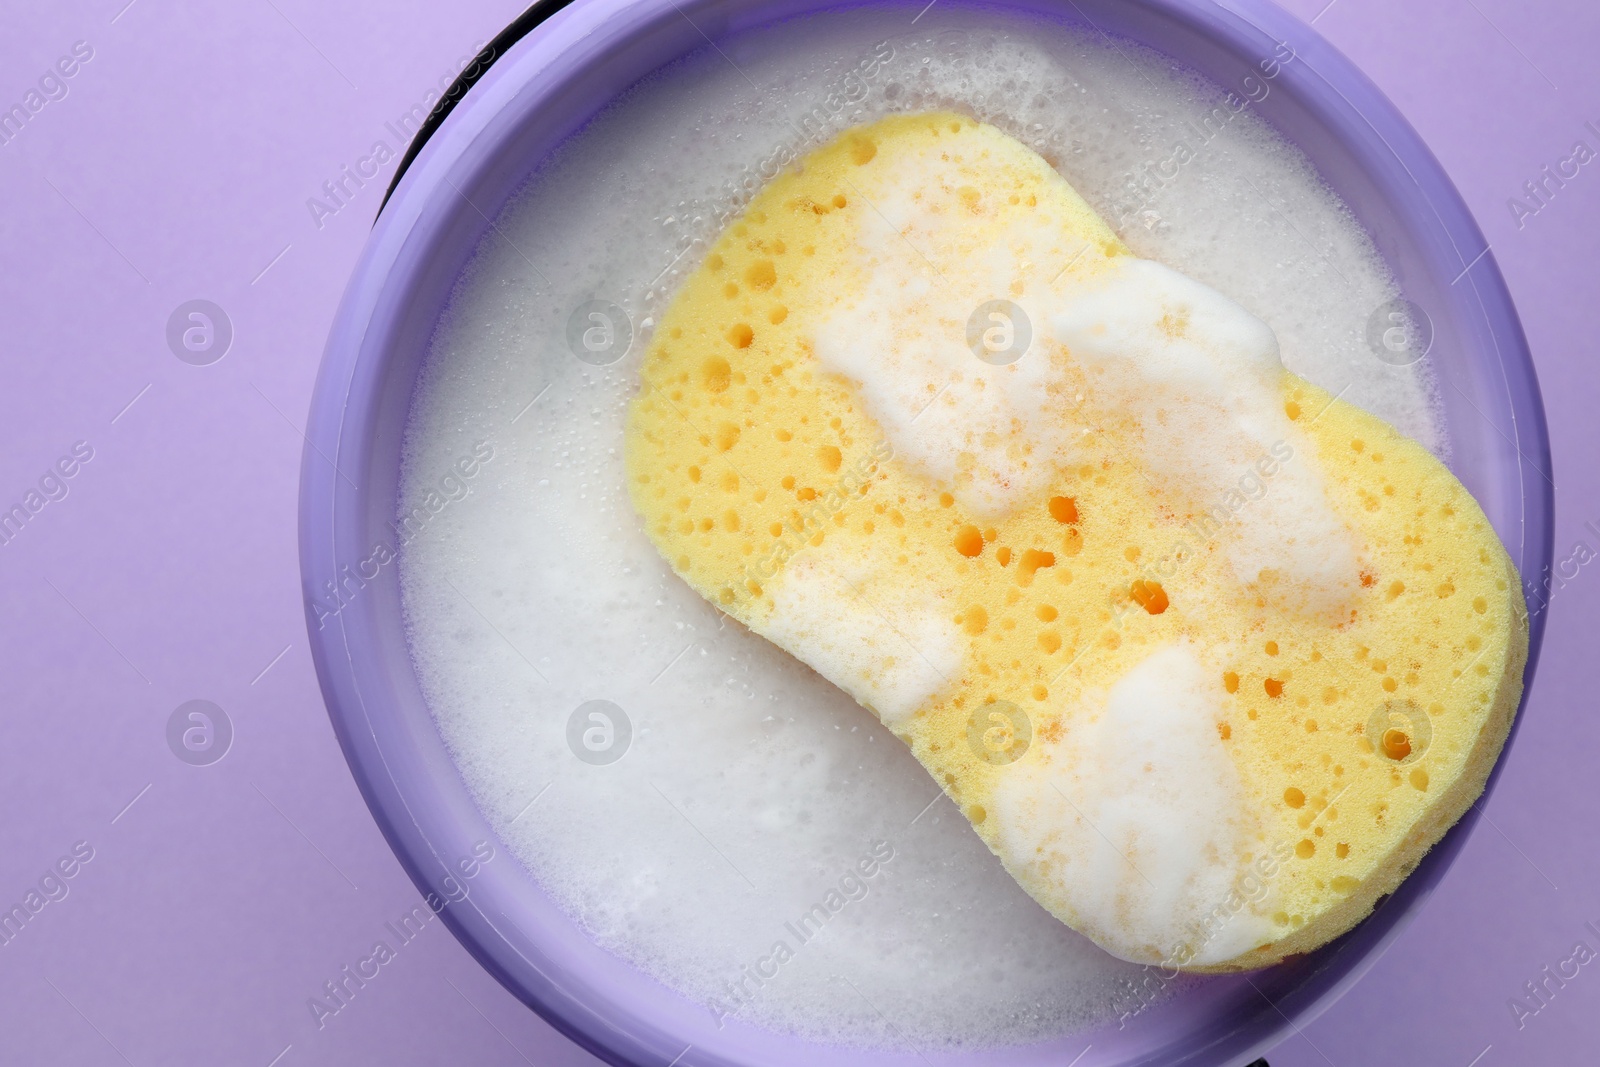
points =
(1138, 819)
(1202, 381)
(993, 433)
(886, 648)
(538, 591)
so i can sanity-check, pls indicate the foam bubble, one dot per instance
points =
(1201, 380)
(1138, 824)
(891, 654)
(993, 432)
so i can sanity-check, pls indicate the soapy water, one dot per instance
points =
(726, 850)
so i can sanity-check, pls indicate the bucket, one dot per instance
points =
(535, 87)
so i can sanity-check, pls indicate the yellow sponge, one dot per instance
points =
(1209, 658)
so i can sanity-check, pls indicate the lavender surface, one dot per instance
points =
(176, 163)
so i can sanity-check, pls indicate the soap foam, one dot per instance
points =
(1201, 379)
(538, 591)
(890, 653)
(1138, 821)
(992, 432)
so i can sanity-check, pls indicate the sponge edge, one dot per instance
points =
(1008, 598)
(1456, 736)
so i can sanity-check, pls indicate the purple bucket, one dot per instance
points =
(540, 91)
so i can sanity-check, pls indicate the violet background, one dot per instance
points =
(178, 167)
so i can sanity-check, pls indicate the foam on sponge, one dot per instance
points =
(1207, 657)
